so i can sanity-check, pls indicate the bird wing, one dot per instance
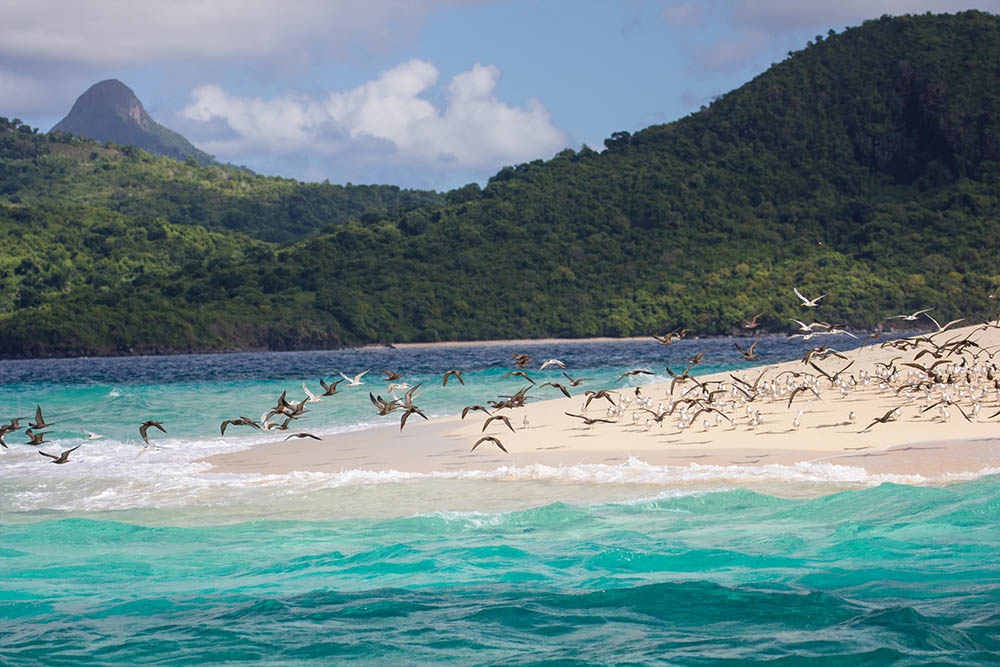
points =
(799, 294)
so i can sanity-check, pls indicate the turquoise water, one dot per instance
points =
(122, 557)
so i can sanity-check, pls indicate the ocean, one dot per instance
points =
(128, 555)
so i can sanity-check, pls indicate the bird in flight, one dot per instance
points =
(329, 389)
(809, 303)
(90, 435)
(489, 438)
(355, 381)
(39, 420)
(144, 427)
(552, 362)
(911, 316)
(62, 458)
(452, 373)
(752, 323)
(637, 371)
(748, 354)
(303, 435)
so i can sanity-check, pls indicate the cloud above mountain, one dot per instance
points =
(387, 118)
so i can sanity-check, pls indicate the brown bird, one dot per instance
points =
(884, 419)
(519, 374)
(589, 421)
(668, 338)
(2, 443)
(37, 437)
(560, 387)
(489, 438)
(303, 435)
(391, 376)
(573, 382)
(469, 408)
(637, 371)
(752, 323)
(748, 354)
(409, 411)
(695, 360)
(383, 406)
(795, 391)
(455, 374)
(62, 458)
(521, 360)
(39, 420)
(242, 421)
(328, 389)
(144, 427)
(591, 395)
(495, 417)
(15, 425)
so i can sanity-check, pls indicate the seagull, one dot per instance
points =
(552, 362)
(355, 381)
(455, 374)
(911, 316)
(145, 427)
(90, 435)
(809, 303)
(489, 438)
(62, 458)
(808, 328)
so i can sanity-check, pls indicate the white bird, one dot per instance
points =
(310, 397)
(91, 436)
(552, 362)
(355, 381)
(809, 303)
(808, 328)
(911, 316)
(945, 327)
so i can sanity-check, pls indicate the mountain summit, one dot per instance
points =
(110, 111)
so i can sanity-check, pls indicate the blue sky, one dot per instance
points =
(418, 93)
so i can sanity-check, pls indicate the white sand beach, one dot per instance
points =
(920, 439)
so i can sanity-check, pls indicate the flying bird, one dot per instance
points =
(752, 323)
(637, 371)
(409, 411)
(589, 421)
(470, 408)
(489, 438)
(391, 376)
(90, 435)
(455, 374)
(911, 316)
(62, 458)
(519, 374)
(560, 387)
(503, 418)
(748, 354)
(552, 362)
(303, 435)
(39, 420)
(144, 427)
(808, 303)
(573, 382)
(355, 381)
(329, 389)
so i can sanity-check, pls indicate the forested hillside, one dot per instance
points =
(865, 166)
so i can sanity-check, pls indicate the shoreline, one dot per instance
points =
(917, 442)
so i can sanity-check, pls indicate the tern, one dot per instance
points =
(355, 381)
(310, 397)
(90, 435)
(552, 362)
(911, 316)
(808, 303)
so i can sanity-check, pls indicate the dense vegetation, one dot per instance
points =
(866, 166)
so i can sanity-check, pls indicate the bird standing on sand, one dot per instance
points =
(62, 458)
(144, 428)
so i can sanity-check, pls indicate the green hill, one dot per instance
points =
(865, 166)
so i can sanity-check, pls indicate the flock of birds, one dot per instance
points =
(959, 372)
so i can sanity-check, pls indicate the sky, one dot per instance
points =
(429, 94)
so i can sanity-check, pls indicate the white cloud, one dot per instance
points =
(386, 119)
(125, 32)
